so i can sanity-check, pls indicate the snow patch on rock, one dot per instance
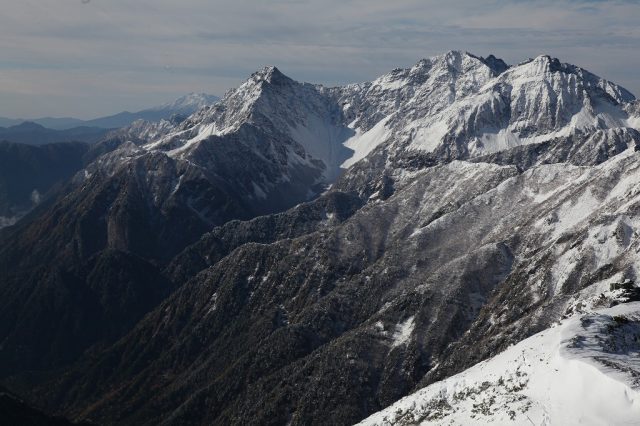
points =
(403, 331)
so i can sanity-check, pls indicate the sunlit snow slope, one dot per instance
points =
(584, 371)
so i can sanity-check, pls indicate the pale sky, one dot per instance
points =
(87, 58)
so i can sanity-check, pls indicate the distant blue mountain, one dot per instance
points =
(184, 105)
(32, 133)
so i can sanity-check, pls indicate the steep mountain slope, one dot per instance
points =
(348, 319)
(270, 306)
(540, 111)
(391, 107)
(529, 103)
(132, 210)
(481, 204)
(118, 221)
(454, 106)
(559, 376)
(268, 106)
(303, 219)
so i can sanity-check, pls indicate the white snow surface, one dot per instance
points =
(362, 143)
(403, 331)
(583, 371)
(537, 96)
(634, 122)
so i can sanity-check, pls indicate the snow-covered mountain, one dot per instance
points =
(299, 116)
(339, 126)
(391, 235)
(456, 106)
(453, 106)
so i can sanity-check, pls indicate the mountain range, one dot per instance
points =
(185, 105)
(300, 254)
(28, 173)
(30, 133)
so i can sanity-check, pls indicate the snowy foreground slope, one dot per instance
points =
(585, 370)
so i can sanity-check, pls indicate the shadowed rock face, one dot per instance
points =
(277, 307)
(413, 266)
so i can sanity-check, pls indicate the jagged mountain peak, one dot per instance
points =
(453, 61)
(497, 64)
(300, 116)
(547, 61)
(543, 66)
(450, 57)
(535, 101)
(452, 106)
(270, 74)
(405, 95)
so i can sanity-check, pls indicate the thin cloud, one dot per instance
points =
(103, 56)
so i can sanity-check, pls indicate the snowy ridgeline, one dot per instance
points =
(453, 102)
(585, 370)
(302, 137)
